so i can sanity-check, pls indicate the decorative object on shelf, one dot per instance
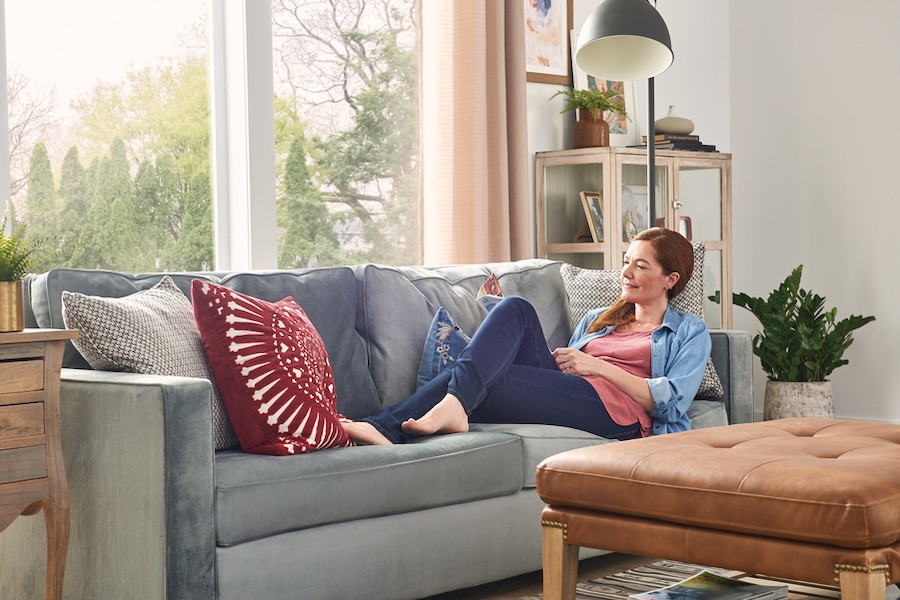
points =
(16, 257)
(635, 209)
(624, 40)
(593, 212)
(591, 130)
(673, 124)
(799, 346)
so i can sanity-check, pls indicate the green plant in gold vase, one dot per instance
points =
(591, 129)
(16, 257)
(799, 346)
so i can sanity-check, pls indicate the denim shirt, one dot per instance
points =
(680, 348)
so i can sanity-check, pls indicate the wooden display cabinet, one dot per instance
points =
(693, 195)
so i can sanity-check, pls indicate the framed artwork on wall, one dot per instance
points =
(623, 131)
(547, 26)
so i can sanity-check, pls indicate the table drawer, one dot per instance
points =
(22, 425)
(21, 376)
(19, 464)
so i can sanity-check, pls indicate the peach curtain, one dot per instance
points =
(476, 201)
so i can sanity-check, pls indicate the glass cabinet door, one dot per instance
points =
(698, 212)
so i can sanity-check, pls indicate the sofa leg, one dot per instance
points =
(560, 562)
(860, 585)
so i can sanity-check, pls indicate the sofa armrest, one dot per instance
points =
(138, 453)
(732, 355)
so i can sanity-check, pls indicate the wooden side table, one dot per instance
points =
(32, 476)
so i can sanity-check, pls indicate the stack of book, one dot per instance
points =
(679, 141)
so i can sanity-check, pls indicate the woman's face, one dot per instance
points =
(643, 279)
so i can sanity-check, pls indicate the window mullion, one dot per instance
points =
(243, 135)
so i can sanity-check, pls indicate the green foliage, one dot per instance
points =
(16, 252)
(144, 203)
(593, 100)
(799, 341)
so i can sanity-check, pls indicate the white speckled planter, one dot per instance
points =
(787, 399)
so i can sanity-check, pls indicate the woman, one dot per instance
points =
(629, 370)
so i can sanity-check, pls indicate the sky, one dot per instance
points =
(68, 45)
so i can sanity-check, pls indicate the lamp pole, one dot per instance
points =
(651, 153)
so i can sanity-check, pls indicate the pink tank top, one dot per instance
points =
(629, 350)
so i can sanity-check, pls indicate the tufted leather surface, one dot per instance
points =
(813, 480)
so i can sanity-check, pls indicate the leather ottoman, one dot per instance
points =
(814, 500)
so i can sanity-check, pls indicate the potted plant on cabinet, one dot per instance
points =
(16, 257)
(799, 346)
(591, 129)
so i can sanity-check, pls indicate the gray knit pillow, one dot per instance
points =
(151, 331)
(588, 289)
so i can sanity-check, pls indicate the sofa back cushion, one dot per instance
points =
(328, 296)
(45, 291)
(397, 306)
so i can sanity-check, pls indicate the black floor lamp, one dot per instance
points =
(624, 40)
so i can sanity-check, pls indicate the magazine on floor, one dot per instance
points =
(708, 586)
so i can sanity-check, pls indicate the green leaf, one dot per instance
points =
(800, 340)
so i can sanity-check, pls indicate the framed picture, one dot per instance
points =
(623, 131)
(593, 212)
(547, 26)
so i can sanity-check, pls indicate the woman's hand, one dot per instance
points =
(576, 362)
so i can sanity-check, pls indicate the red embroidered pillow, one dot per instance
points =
(272, 371)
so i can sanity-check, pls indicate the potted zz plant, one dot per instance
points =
(799, 346)
(16, 256)
(591, 129)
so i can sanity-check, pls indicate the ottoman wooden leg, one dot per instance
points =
(560, 563)
(857, 585)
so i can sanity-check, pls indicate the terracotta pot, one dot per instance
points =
(12, 306)
(787, 399)
(591, 130)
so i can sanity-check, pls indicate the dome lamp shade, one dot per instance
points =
(624, 40)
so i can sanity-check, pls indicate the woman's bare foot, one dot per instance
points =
(364, 434)
(447, 416)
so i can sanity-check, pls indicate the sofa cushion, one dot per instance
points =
(260, 496)
(272, 370)
(46, 295)
(150, 331)
(329, 297)
(395, 338)
(541, 441)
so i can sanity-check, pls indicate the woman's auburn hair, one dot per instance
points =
(673, 253)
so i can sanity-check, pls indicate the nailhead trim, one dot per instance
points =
(563, 526)
(838, 568)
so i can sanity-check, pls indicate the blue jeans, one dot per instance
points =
(507, 375)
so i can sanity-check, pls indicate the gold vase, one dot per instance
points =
(12, 306)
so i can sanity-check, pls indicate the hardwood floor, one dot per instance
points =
(530, 583)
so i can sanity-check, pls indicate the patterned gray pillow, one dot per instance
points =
(588, 289)
(151, 331)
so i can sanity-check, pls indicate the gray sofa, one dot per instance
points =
(158, 513)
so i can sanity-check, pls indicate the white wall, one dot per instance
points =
(814, 119)
(804, 95)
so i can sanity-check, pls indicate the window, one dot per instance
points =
(111, 141)
(346, 134)
(109, 132)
